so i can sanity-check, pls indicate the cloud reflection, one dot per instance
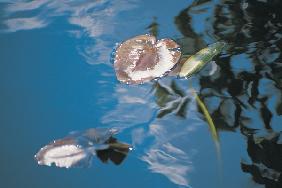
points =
(157, 141)
(134, 106)
(167, 163)
(97, 21)
(25, 6)
(165, 158)
(17, 24)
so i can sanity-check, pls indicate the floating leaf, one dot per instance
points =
(64, 153)
(210, 69)
(143, 58)
(78, 149)
(196, 62)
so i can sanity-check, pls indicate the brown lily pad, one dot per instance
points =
(144, 58)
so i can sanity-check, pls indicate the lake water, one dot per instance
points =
(56, 76)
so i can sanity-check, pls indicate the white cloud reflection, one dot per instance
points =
(158, 142)
(17, 24)
(24, 5)
(165, 155)
(97, 21)
(134, 106)
(163, 162)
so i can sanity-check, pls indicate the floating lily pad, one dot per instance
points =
(78, 149)
(143, 58)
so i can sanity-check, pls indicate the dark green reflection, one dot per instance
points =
(249, 94)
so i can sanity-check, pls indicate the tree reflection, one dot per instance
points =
(154, 27)
(170, 99)
(253, 31)
(266, 154)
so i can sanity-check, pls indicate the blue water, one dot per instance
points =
(56, 77)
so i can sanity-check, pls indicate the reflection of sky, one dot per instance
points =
(70, 100)
(127, 97)
(205, 17)
(49, 91)
(165, 158)
(97, 20)
(100, 24)
(164, 154)
(17, 24)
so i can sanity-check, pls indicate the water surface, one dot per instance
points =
(56, 77)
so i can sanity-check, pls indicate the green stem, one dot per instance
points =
(207, 116)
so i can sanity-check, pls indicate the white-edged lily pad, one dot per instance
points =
(78, 149)
(144, 58)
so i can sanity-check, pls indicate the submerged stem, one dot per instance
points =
(212, 130)
(207, 116)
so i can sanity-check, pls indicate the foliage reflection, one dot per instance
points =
(248, 88)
